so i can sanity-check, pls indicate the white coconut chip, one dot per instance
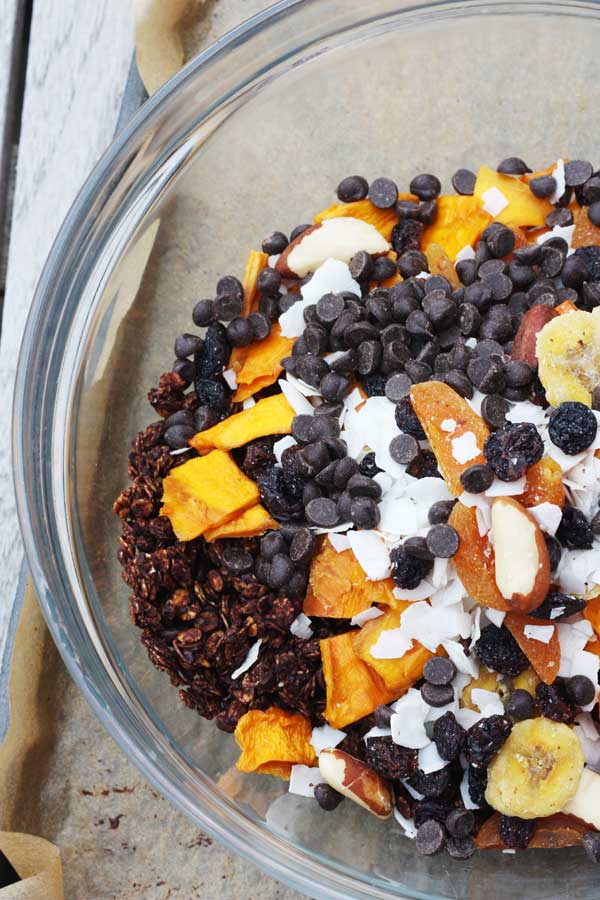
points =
(500, 488)
(304, 779)
(422, 592)
(577, 570)
(371, 553)
(558, 173)
(448, 425)
(486, 700)
(430, 760)
(391, 644)
(494, 201)
(496, 616)
(281, 445)
(484, 520)
(407, 825)
(231, 378)
(307, 390)
(465, 447)
(416, 795)
(547, 515)
(565, 461)
(525, 411)
(376, 731)
(408, 721)
(366, 615)
(249, 403)
(541, 633)
(297, 401)
(251, 658)
(339, 542)
(324, 737)
(466, 252)
(301, 627)
(591, 748)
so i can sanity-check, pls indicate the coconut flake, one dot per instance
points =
(407, 825)
(541, 633)
(565, 461)
(324, 737)
(558, 173)
(464, 448)
(547, 515)
(500, 488)
(231, 378)
(339, 542)
(371, 553)
(391, 644)
(494, 201)
(463, 663)
(366, 615)
(304, 779)
(297, 401)
(496, 616)
(439, 576)
(408, 721)
(466, 252)
(301, 627)
(525, 411)
(430, 760)
(448, 425)
(332, 276)
(307, 390)
(557, 611)
(468, 717)
(464, 791)
(486, 700)
(251, 658)
(483, 515)
(422, 592)
(591, 748)
(249, 403)
(376, 731)
(577, 570)
(281, 445)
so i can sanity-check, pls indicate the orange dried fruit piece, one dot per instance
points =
(338, 587)
(566, 307)
(523, 210)
(251, 522)
(441, 264)
(586, 233)
(545, 658)
(543, 484)
(435, 404)
(592, 613)
(381, 219)
(256, 262)
(204, 493)
(273, 415)
(459, 221)
(551, 833)
(474, 559)
(397, 674)
(273, 740)
(353, 689)
(262, 364)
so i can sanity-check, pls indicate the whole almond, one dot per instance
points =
(358, 782)
(337, 238)
(524, 346)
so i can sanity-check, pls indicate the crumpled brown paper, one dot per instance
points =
(160, 26)
(37, 862)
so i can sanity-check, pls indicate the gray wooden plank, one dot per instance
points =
(76, 74)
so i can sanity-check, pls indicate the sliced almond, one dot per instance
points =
(357, 782)
(522, 565)
(337, 238)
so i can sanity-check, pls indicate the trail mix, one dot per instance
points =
(363, 535)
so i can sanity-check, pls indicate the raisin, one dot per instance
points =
(368, 466)
(424, 466)
(448, 736)
(214, 393)
(406, 235)
(591, 258)
(485, 738)
(557, 601)
(554, 704)
(477, 783)
(516, 833)
(390, 760)
(434, 785)
(258, 454)
(407, 420)
(374, 385)
(275, 496)
(214, 355)
(292, 479)
(572, 427)
(430, 809)
(512, 449)
(574, 530)
(498, 650)
(407, 570)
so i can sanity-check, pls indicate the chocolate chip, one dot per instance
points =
(312, 458)
(185, 369)
(344, 470)
(273, 243)
(334, 386)
(513, 165)
(352, 188)
(358, 332)
(463, 182)
(312, 489)
(440, 309)
(412, 262)
(594, 213)
(404, 448)
(364, 512)
(260, 325)
(383, 193)
(486, 375)
(501, 241)
(395, 355)
(397, 387)
(383, 268)
(477, 478)
(443, 541)
(552, 261)
(203, 313)
(382, 716)
(466, 270)
(407, 209)
(329, 307)
(479, 295)
(271, 544)
(322, 512)
(316, 339)
(237, 560)
(369, 355)
(239, 332)
(187, 344)
(437, 695)
(577, 172)
(529, 255)
(227, 307)
(461, 848)
(311, 369)
(178, 436)
(362, 486)
(469, 319)
(591, 295)
(417, 547)
(418, 324)
(426, 186)
(417, 371)
(327, 797)
(580, 690)
(561, 217)
(205, 417)
(520, 275)
(361, 265)
(439, 670)
(302, 547)
(430, 838)
(459, 382)
(590, 192)
(554, 551)
(491, 267)
(520, 705)
(518, 373)
(298, 230)
(427, 212)
(460, 822)
(543, 186)
(439, 512)
(302, 428)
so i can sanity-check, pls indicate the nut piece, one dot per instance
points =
(585, 804)
(358, 782)
(522, 564)
(524, 346)
(337, 238)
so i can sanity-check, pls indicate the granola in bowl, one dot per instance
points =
(363, 534)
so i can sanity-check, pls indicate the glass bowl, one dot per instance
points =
(254, 135)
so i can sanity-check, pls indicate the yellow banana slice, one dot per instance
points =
(537, 771)
(568, 352)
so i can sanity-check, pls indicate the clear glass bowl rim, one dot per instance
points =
(37, 505)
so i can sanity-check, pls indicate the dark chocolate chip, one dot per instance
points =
(439, 670)
(463, 182)
(352, 188)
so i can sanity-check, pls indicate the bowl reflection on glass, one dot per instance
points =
(253, 136)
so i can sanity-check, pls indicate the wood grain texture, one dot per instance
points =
(76, 74)
(11, 22)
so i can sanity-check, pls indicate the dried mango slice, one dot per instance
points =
(436, 404)
(545, 658)
(257, 261)
(441, 264)
(586, 233)
(592, 614)
(523, 210)
(543, 484)
(338, 587)
(250, 523)
(204, 493)
(566, 307)
(273, 415)
(568, 351)
(397, 674)
(459, 221)
(381, 219)
(474, 559)
(353, 689)
(262, 364)
(551, 833)
(273, 740)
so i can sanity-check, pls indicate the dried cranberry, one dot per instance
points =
(407, 420)
(434, 785)
(368, 466)
(485, 738)
(258, 455)
(591, 258)
(574, 529)
(390, 760)
(274, 494)
(449, 736)
(406, 235)
(424, 466)
(512, 449)
(498, 650)
(374, 384)
(516, 833)
(408, 570)
(558, 606)
(553, 703)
